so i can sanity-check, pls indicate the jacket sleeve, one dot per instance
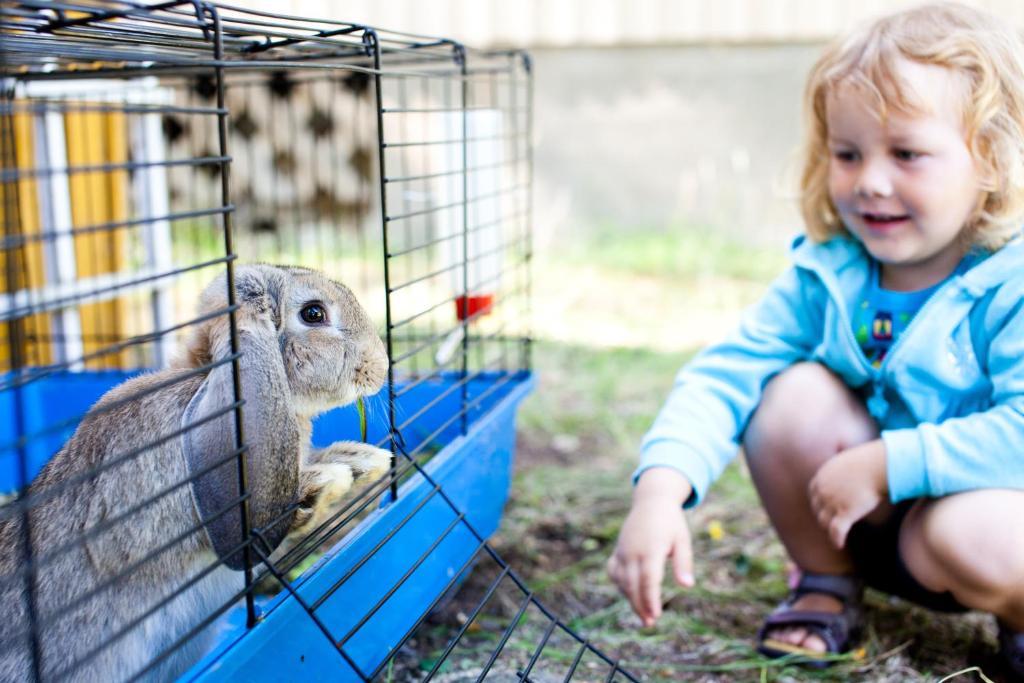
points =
(981, 450)
(699, 428)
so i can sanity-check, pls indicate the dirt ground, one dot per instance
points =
(706, 633)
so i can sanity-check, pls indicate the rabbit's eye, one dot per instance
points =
(314, 314)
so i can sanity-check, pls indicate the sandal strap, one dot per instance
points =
(847, 589)
(834, 629)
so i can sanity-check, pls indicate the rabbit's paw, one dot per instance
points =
(373, 465)
(320, 487)
(368, 463)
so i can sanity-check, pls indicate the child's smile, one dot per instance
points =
(907, 185)
(884, 221)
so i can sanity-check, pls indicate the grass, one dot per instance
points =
(578, 439)
(677, 253)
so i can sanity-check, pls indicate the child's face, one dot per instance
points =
(905, 188)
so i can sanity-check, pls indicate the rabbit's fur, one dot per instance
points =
(291, 370)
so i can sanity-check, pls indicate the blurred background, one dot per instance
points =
(659, 125)
(650, 114)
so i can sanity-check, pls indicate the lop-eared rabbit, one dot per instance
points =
(118, 529)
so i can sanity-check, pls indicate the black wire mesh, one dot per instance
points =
(145, 149)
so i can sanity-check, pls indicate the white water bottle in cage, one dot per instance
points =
(473, 254)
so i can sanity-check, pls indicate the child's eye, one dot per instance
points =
(845, 155)
(906, 154)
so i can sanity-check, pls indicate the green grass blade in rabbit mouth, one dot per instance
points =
(361, 407)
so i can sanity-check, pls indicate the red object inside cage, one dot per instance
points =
(470, 306)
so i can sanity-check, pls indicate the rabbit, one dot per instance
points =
(306, 346)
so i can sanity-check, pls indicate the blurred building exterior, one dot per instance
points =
(651, 114)
(574, 23)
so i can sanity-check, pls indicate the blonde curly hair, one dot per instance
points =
(987, 55)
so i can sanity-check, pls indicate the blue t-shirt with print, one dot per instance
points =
(881, 315)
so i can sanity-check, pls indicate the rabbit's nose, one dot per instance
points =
(373, 369)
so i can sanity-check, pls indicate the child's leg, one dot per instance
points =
(807, 415)
(970, 545)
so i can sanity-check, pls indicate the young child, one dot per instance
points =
(878, 388)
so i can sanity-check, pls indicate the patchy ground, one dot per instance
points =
(706, 633)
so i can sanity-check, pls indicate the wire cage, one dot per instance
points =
(151, 149)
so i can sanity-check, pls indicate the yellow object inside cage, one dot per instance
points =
(97, 187)
(98, 197)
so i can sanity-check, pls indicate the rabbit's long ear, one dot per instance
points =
(270, 425)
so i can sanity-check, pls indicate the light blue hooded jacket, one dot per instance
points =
(949, 396)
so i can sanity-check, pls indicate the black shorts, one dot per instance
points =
(875, 550)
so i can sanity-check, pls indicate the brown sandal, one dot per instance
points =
(838, 630)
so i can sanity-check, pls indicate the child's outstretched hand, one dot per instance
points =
(848, 487)
(654, 530)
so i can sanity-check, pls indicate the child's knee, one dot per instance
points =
(806, 411)
(959, 543)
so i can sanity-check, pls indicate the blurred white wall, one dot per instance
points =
(650, 114)
(668, 137)
(562, 23)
